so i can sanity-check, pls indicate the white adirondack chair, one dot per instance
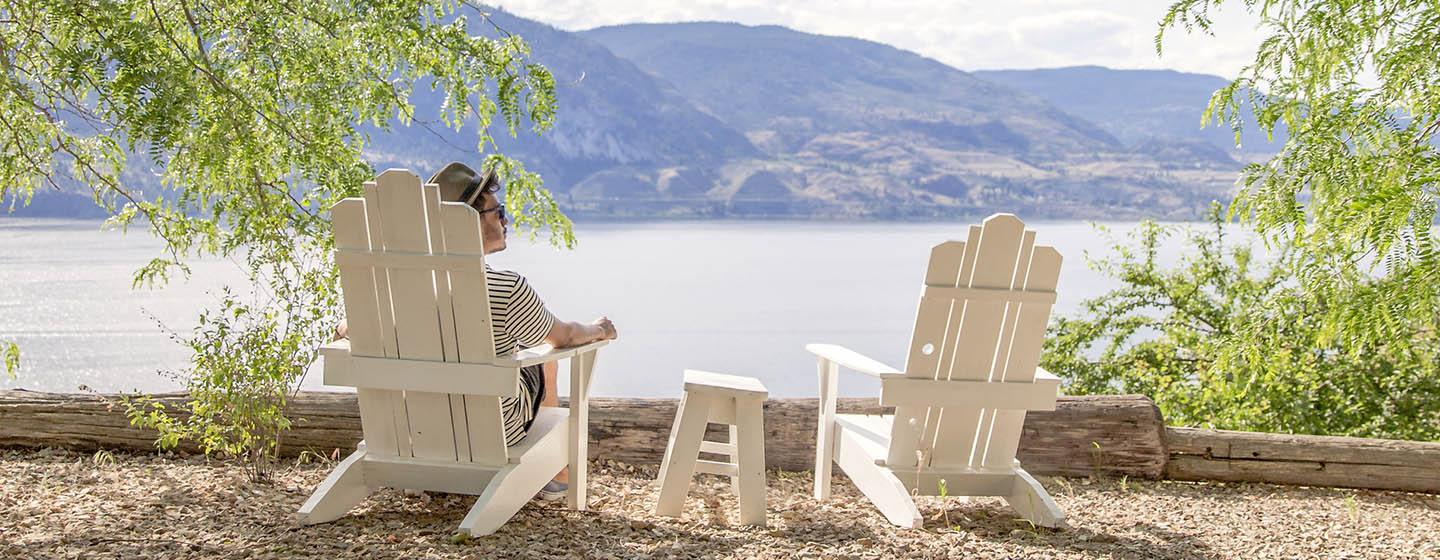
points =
(970, 376)
(421, 356)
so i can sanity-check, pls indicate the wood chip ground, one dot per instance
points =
(57, 504)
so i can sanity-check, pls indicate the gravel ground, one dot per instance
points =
(56, 504)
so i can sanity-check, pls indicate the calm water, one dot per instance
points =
(734, 297)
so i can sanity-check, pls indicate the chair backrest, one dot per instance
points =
(413, 277)
(982, 317)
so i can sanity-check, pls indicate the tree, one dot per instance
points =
(1228, 340)
(247, 110)
(1339, 331)
(1354, 187)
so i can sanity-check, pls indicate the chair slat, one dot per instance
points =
(475, 343)
(1024, 357)
(931, 325)
(979, 332)
(1007, 334)
(351, 225)
(934, 415)
(417, 325)
(373, 220)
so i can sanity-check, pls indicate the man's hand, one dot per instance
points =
(566, 334)
(606, 327)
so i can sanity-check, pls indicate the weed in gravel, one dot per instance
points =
(103, 458)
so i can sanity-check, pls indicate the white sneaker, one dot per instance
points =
(553, 490)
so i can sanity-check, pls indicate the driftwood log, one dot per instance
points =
(1303, 460)
(1083, 436)
(1105, 435)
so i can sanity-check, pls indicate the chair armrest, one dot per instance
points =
(1042, 376)
(851, 360)
(545, 353)
(339, 348)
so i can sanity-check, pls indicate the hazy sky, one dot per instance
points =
(967, 34)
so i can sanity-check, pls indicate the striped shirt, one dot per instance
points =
(518, 319)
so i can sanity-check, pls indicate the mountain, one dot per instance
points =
(788, 87)
(863, 128)
(703, 120)
(1143, 108)
(618, 128)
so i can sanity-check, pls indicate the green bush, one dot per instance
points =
(247, 358)
(1229, 341)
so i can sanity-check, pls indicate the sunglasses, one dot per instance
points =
(499, 209)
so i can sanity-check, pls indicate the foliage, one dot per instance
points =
(11, 355)
(1231, 341)
(1353, 191)
(246, 359)
(248, 111)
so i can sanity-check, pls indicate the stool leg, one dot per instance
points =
(680, 455)
(735, 444)
(750, 449)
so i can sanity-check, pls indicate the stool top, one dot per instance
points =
(709, 382)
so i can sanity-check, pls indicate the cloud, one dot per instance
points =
(967, 34)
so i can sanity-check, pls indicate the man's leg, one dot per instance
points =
(552, 398)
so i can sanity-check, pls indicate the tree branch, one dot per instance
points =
(215, 80)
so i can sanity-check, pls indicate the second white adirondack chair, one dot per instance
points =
(421, 356)
(970, 375)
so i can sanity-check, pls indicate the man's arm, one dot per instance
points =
(564, 334)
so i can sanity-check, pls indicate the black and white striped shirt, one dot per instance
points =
(518, 319)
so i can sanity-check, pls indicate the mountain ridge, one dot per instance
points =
(708, 120)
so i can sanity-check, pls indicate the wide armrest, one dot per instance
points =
(1042, 376)
(851, 359)
(545, 353)
(529, 356)
(497, 378)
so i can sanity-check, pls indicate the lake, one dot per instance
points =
(732, 297)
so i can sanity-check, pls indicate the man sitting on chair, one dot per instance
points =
(518, 317)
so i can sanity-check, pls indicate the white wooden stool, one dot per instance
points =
(722, 399)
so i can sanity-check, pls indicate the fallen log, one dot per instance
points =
(1303, 460)
(1094, 435)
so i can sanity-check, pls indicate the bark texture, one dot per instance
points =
(1118, 435)
(1304, 460)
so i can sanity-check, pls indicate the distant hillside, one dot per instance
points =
(716, 120)
(1140, 107)
(615, 121)
(857, 124)
(786, 88)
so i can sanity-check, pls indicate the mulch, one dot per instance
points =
(59, 504)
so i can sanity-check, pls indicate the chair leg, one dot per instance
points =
(342, 489)
(877, 483)
(750, 459)
(680, 455)
(825, 429)
(1032, 502)
(513, 487)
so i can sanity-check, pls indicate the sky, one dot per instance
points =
(966, 34)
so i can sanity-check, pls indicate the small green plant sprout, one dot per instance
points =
(308, 456)
(102, 458)
(1065, 484)
(11, 355)
(1096, 456)
(1125, 483)
(945, 506)
(1353, 508)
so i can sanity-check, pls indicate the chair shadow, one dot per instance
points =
(995, 522)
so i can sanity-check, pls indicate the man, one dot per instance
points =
(518, 316)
